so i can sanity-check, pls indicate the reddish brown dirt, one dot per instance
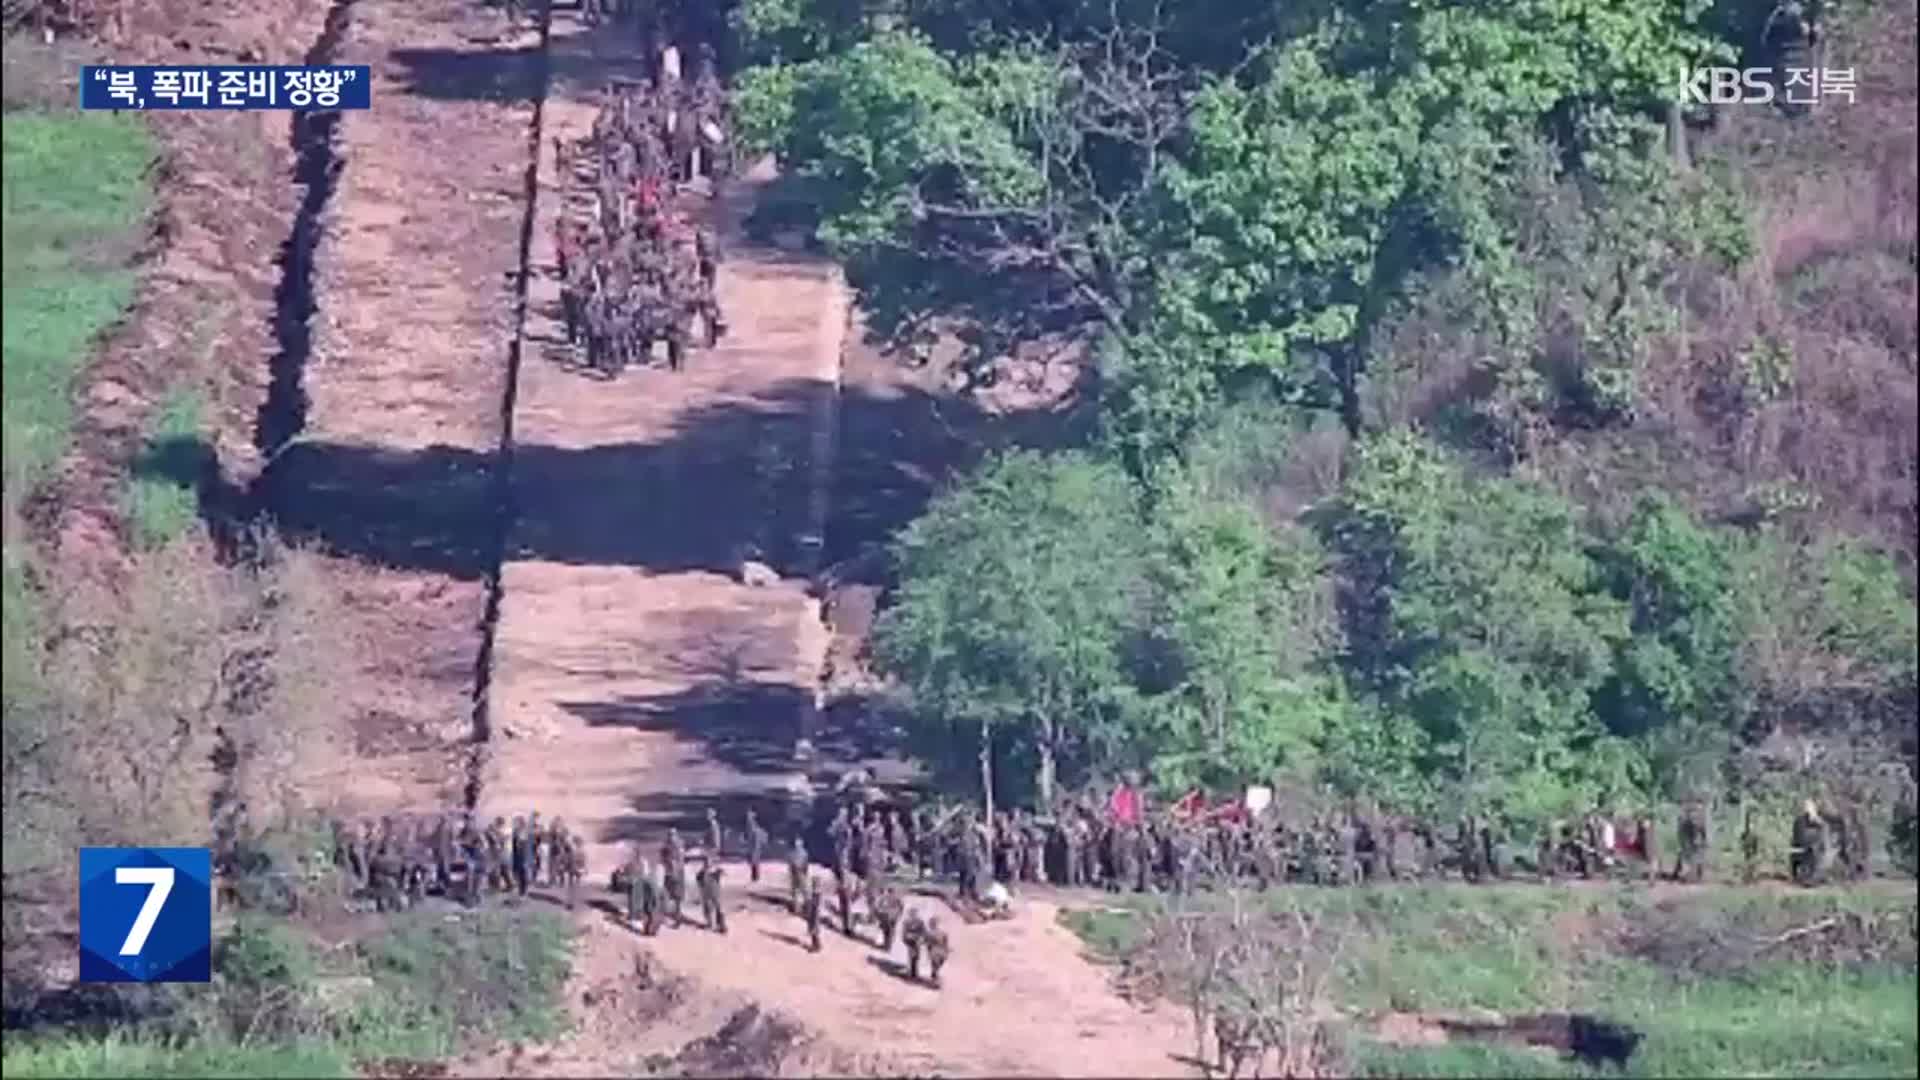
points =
(414, 302)
(637, 682)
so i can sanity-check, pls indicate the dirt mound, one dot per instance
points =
(753, 1042)
(1698, 939)
(1582, 1036)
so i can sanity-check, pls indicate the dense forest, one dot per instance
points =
(1476, 428)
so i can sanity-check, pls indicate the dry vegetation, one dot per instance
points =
(1782, 392)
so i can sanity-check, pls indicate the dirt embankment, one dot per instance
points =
(389, 407)
(204, 314)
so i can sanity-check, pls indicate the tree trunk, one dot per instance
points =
(1045, 784)
(986, 766)
(1677, 138)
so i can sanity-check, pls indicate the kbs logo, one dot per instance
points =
(146, 914)
(1763, 86)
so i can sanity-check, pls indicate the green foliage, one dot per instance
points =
(1837, 1004)
(423, 988)
(1673, 682)
(75, 193)
(1238, 631)
(1019, 591)
(161, 500)
(1476, 612)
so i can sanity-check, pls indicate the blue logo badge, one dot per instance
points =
(146, 914)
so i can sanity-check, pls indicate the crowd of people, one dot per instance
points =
(399, 861)
(633, 269)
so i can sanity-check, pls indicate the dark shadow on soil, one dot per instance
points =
(896, 969)
(491, 71)
(786, 939)
(747, 728)
(672, 506)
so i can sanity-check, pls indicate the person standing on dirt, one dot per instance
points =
(673, 863)
(708, 877)
(536, 847)
(843, 890)
(756, 846)
(796, 873)
(1691, 865)
(576, 868)
(899, 846)
(635, 870)
(937, 949)
(1749, 846)
(1647, 845)
(1809, 855)
(887, 910)
(713, 834)
(521, 852)
(913, 934)
(810, 911)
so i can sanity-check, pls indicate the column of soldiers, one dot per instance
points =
(1079, 846)
(399, 861)
(633, 270)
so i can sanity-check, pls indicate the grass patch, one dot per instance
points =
(161, 499)
(419, 988)
(1721, 981)
(75, 195)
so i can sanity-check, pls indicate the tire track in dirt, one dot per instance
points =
(394, 471)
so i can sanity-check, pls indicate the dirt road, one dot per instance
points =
(636, 681)
(390, 392)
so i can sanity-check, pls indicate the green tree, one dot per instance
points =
(1475, 610)
(1020, 593)
(1241, 623)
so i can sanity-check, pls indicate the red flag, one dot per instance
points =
(1125, 805)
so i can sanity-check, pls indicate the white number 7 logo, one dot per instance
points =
(161, 880)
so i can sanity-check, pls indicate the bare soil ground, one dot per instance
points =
(636, 681)
(413, 316)
(1019, 998)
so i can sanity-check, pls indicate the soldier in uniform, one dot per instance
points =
(479, 870)
(1809, 854)
(1692, 862)
(810, 911)
(673, 864)
(635, 871)
(1644, 839)
(710, 909)
(887, 910)
(522, 855)
(713, 834)
(936, 939)
(537, 853)
(576, 868)
(913, 934)
(1749, 846)
(1073, 839)
(899, 845)
(844, 893)
(1860, 858)
(389, 869)
(796, 873)
(502, 877)
(1547, 855)
(756, 846)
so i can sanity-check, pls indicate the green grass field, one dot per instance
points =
(420, 988)
(1717, 979)
(76, 195)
